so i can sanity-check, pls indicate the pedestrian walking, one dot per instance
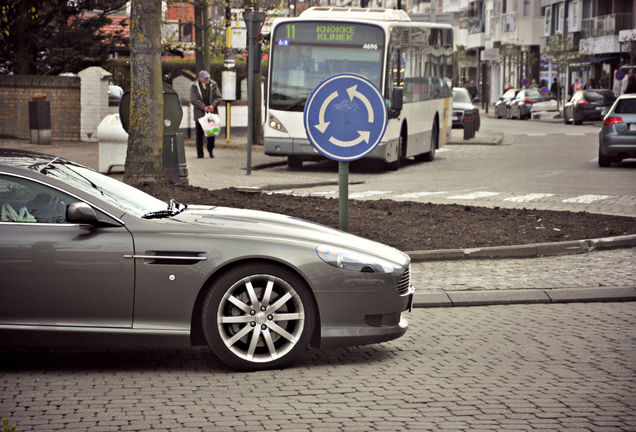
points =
(631, 84)
(204, 97)
(554, 88)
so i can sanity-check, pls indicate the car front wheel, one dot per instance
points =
(258, 316)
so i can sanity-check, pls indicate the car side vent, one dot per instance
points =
(170, 257)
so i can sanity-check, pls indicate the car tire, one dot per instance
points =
(604, 161)
(430, 156)
(258, 316)
(294, 162)
(576, 121)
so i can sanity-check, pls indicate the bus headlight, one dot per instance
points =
(274, 123)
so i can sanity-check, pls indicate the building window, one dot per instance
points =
(526, 8)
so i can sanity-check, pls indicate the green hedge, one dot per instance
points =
(120, 68)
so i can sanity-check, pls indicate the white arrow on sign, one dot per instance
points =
(364, 136)
(322, 126)
(353, 93)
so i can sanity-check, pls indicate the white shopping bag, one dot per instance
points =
(210, 123)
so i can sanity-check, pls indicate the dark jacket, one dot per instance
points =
(196, 98)
(631, 85)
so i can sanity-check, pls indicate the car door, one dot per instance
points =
(54, 273)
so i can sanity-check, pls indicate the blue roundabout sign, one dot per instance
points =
(345, 117)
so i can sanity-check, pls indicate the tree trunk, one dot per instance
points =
(143, 158)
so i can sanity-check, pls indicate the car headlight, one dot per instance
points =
(354, 261)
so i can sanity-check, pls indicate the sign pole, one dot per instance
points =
(343, 195)
(345, 118)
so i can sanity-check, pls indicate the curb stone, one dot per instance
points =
(526, 251)
(529, 296)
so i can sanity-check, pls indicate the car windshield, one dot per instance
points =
(461, 96)
(533, 94)
(125, 197)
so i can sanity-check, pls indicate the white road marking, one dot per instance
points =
(586, 199)
(419, 194)
(368, 194)
(528, 197)
(474, 195)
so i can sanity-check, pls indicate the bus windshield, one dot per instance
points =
(305, 53)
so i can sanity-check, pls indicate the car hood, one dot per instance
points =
(464, 106)
(232, 221)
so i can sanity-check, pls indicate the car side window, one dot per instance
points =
(25, 201)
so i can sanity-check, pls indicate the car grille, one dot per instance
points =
(405, 281)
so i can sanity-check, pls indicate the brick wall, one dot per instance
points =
(63, 93)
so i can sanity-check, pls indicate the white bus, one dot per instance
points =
(411, 62)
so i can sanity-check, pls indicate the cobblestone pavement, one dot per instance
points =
(566, 367)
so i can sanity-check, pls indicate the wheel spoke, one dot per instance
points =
(256, 334)
(245, 330)
(281, 331)
(267, 335)
(252, 293)
(239, 304)
(268, 292)
(279, 303)
(288, 316)
(241, 319)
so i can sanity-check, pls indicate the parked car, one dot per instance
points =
(502, 106)
(463, 105)
(115, 93)
(521, 106)
(617, 136)
(587, 105)
(89, 262)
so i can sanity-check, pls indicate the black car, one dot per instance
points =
(587, 105)
(463, 106)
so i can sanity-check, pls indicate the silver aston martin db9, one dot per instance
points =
(89, 262)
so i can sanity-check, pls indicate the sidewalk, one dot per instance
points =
(592, 270)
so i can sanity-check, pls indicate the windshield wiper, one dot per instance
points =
(281, 107)
(174, 208)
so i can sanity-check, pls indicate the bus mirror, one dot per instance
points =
(397, 98)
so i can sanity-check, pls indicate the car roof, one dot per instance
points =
(25, 159)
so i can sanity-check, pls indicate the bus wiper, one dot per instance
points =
(174, 208)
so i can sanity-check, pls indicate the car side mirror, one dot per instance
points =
(605, 112)
(80, 213)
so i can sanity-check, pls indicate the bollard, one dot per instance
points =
(466, 130)
(472, 125)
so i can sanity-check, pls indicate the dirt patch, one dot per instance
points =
(411, 226)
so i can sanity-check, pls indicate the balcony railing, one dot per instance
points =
(606, 25)
(476, 25)
(509, 22)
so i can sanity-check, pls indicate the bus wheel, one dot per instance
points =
(430, 156)
(294, 162)
(395, 165)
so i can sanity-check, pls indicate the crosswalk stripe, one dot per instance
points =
(474, 195)
(528, 197)
(586, 199)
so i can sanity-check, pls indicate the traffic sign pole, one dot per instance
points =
(345, 118)
(343, 195)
